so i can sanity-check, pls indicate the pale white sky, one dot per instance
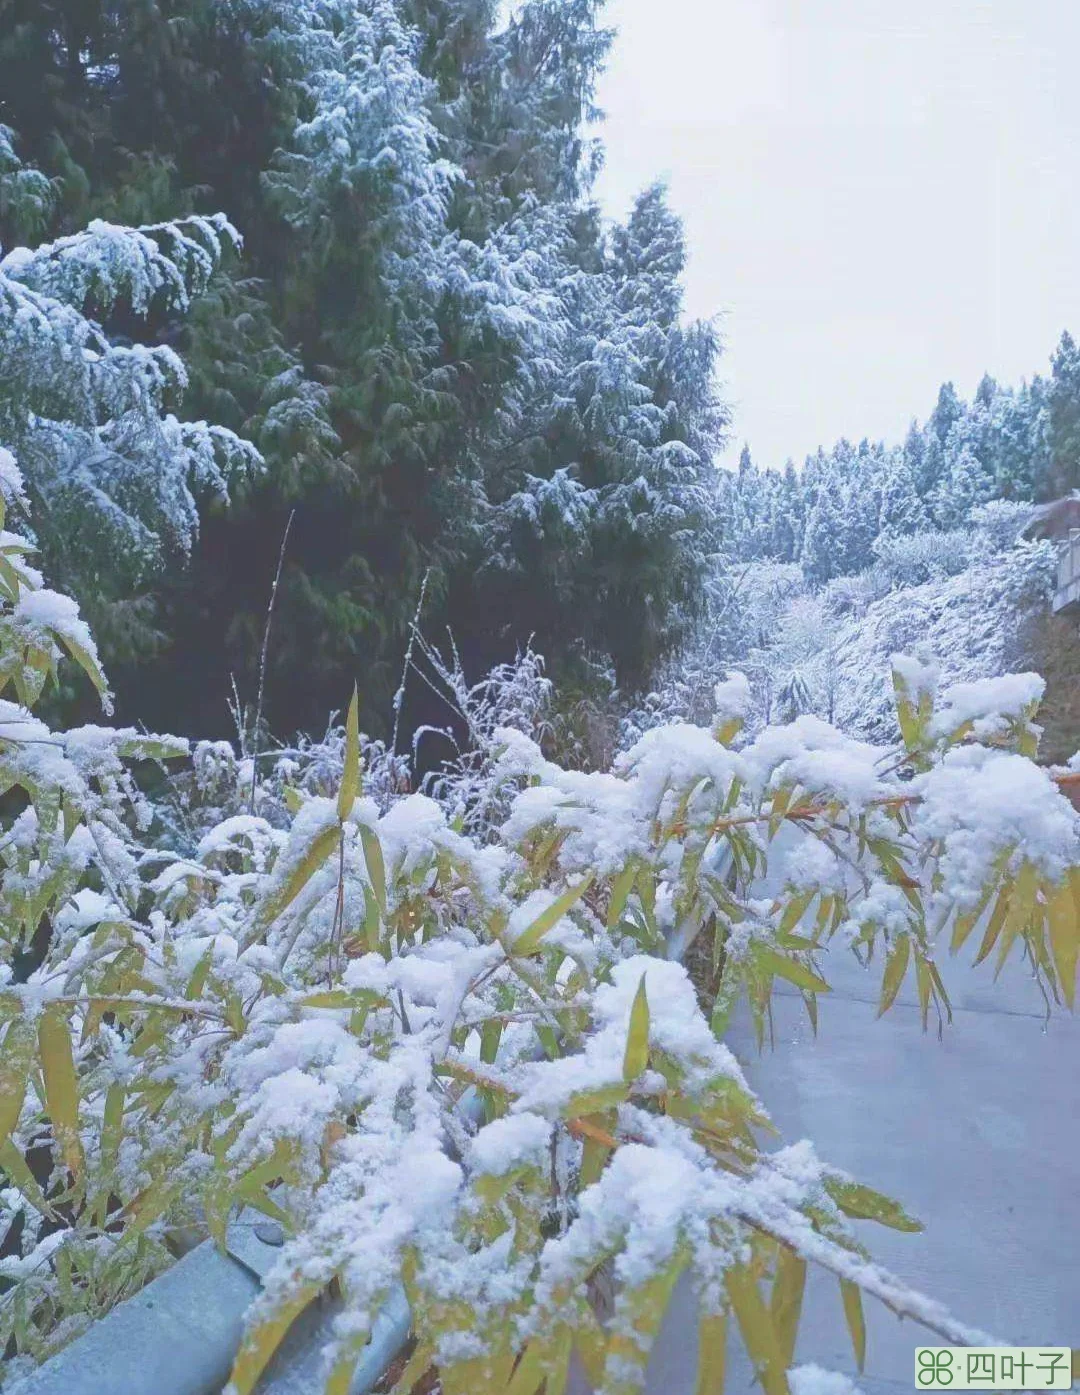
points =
(877, 197)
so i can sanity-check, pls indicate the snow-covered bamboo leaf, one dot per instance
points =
(527, 941)
(865, 1204)
(312, 860)
(636, 1056)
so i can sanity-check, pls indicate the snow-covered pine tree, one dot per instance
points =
(901, 509)
(963, 488)
(1063, 419)
(114, 474)
(823, 542)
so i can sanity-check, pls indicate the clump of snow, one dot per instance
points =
(11, 480)
(815, 755)
(517, 1140)
(988, 703)
(815, 1380)
(982, 803)
(733, 696)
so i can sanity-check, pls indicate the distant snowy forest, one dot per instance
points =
(381, 311)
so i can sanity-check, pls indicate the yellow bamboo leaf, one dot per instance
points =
(785, 1304)
(632, 1339)
(853, 1314)
(594, 1155)
(712, 1355)
(758, 1332)
(350, 777)
(895, 969)
(993, 929)
(967, 920)
(490, 1036)
(261, 1341)
(1021, 910)
(529, 938)
(61, 1086)
(112, 1126)
(636, 1058)
(17, 1169)
(925, 987)
(529, 1373)
(1064, 927)
(376, 867)
(420, 1362)
(15, 1061)
(591, 1343)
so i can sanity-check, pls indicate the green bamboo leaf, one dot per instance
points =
(620, 890)
(794, 911)
(86, 661)
(785, 1305)
(199, 975)
(376, 867)
(636, 1058)
(895, 969)
(61, 1086)
(529, 939)
(490, 1036)
(758, 1331)
(350, 778)
(865, 1204)
(712, 1354)
(796, 973)
(853, 1314)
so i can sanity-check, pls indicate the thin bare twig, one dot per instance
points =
(399, 696)
(265, 652)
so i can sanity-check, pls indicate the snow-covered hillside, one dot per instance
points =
(974, 625)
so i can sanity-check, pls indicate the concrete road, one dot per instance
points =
(977, 1135)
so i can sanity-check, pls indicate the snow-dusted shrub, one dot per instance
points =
(999, 524)
(908, 559)
(291, 1017)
